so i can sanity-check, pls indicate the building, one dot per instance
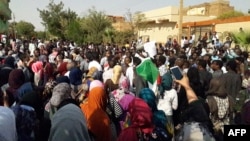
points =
(162, 23)
(222, 27)
(119, 23)
(5, 15)
(214, 8)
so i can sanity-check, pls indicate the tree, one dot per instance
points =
(96, 23)
(136, 20)
(25, 29)
(242, 38)
(122, 37)
(75, 32)
(41, 34)
(56, 19)
(230, 14)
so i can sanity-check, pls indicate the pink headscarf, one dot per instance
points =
(37, 66)
(95, 83)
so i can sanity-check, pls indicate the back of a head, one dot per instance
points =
(162, 59)
(167, 81)
(136, 61)
(231, 65)
(10, 62)
(65, 127)
(193, 75)
(141, 115)
(202, 63)
(149, 97)
(117, 72)
(75, 76)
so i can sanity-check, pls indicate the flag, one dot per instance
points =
(149, 72)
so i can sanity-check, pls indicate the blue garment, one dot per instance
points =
(24, 89)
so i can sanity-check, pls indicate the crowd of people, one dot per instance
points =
(58, 91)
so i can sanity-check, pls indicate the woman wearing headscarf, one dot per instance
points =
(122, 95)
(16, 80)
(75, 78)
(17, 85)
(220, 106)
(114, 110)
(37, 69)
(62, 68)
(140, 122)
(5, 70)
(159, 117)
(61, 92)
(195, 126)
(25, 122)
(168, 101)
(113, 83)
(118, 102)
(7, 124)
(65, 127)
(94, 110)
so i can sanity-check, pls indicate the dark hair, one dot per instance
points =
(22, 56)
(244, 54)
(136, 61)
(231, 65)
(202, 63)
(95, 56)
(241, 59)
(162, 59)
(218, 62)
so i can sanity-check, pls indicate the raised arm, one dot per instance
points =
(191, 96)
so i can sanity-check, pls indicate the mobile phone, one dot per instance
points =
(176, 72)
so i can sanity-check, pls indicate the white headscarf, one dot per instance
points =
(7, 125)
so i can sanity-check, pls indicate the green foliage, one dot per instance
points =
(241, 38)
(96, 24)
(230, 14)
(41, 34)
(74, 32)
(24, 29)
(122, 37)
(56, 19)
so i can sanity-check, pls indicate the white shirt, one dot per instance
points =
(108, 74)
(163, 69)
(95, 64)
(130, 75)
(169, 102)
(40, 44)
(32, 47)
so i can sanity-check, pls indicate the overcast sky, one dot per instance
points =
(27, 9)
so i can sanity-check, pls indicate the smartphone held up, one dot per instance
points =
(176, 72)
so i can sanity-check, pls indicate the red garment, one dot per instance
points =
(62, 69)
(141, 120)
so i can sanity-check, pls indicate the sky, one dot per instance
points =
(27, 9)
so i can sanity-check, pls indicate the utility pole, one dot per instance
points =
(180, 20)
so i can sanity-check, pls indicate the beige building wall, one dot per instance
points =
(233, 27)
(160, 32)
(163, 23)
